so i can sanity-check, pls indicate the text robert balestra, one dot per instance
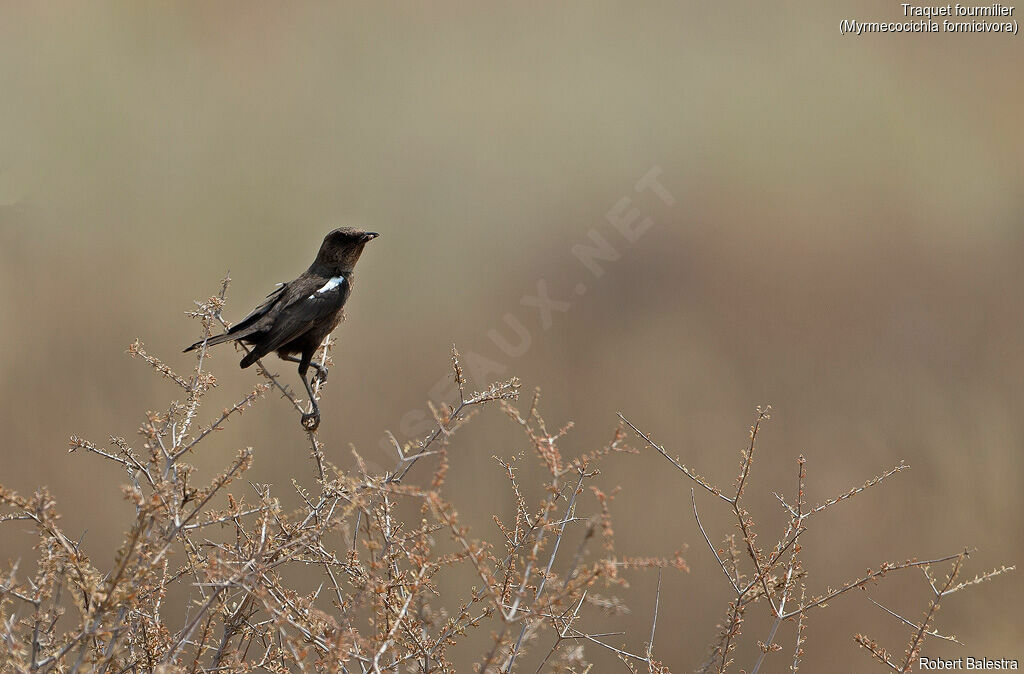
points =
(966, 663)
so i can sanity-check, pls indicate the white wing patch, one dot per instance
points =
(331, 284)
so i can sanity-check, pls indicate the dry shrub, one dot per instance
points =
(380, 545)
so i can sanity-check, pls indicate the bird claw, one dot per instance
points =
(320, 377)
(311, 421)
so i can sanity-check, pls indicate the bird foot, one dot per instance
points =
(311, 421)
(320, 377)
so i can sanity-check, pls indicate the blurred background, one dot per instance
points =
(838, 231)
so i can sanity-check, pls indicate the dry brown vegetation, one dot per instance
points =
(203, 580)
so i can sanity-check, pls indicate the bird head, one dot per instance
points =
(342, 247)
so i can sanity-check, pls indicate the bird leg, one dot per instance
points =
(321, 371)
(311, 420)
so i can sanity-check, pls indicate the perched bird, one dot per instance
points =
(298, 315)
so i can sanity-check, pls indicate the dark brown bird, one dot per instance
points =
(298, 315)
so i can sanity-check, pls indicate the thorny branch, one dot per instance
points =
(204, 580)
(774, 576)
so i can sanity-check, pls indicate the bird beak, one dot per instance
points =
(369, 236)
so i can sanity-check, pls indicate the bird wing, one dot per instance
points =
(273, 297)
(250, 323)
(306, 305)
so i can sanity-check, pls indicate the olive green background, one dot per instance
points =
(845, 244)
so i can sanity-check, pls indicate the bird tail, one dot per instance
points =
(229, 336)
